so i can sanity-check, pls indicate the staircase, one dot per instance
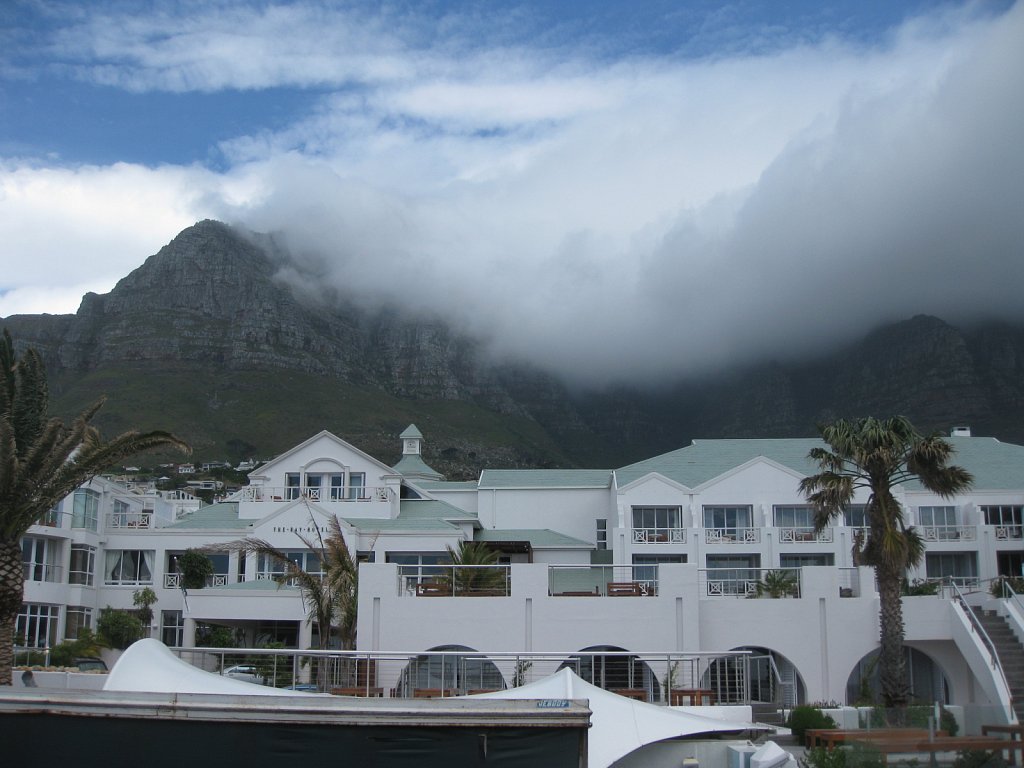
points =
(1011, 655)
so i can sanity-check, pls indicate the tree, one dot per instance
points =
(42, 460)
(119, 628)
(330, 598)
(195, 568)
(143, 600)
(475, 579)
(878, 455)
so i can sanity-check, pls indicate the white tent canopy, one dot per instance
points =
(148, 665)
(619, 725)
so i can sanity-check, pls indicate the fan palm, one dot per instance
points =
(331, 595)
(482, 576)
(42, 460)
(877, 455)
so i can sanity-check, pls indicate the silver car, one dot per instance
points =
(244, 672)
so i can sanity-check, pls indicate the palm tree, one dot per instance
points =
(877, 455)
(331, 595)
(476, 579)
(42, 460)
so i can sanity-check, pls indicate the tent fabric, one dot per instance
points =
(619, 725)
(148, 665)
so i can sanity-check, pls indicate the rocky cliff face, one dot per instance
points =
(211, 310)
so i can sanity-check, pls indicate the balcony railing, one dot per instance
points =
(42, 572)
(751, 582)
(130, 520)
(1008, 532)
(659, 535)
(455, 580)
(948, 532)
(657, 677)
(805, 535)
(320, 494)
(744, 535)
(603, 580)
(175, 580)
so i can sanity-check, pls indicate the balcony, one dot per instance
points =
(1009, 532)
(455, 580)
(744, 535)
(805, 535)
(130, 520)
(603, 580)
(175, 580)
(948, 532)
(659, 535)
(42, 572)
(262, 493)
(751, 582)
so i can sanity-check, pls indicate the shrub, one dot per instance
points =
(195, 568)
(87, 644)
(853, 756)
(803, 717)
(1016, 584)
(118, 629)
(920, 587)
(978, 758)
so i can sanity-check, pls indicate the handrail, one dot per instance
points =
(1014, 605)
(977, 627)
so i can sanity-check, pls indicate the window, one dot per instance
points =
(337, 487)
(292, 482)
(78, 617)
(960, 567)
(939, 523)
(173, 632)
(128, 567)
(314, 486)
(40, 558)
(357, 485)
(36, 625)
(602, 533)
(1008, 519)
(52, 517)
(83, 564)
(659, 524)
(270, 568)
(645, 569)
(800, 560)
(86, 509)
(855, 516)
(414, 567)
(733, 574)
(794, 517)
(723, 523)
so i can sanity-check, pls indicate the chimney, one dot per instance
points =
(960, 432)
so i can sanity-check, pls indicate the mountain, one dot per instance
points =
(208, 338)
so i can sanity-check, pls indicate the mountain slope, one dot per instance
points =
(208, 339)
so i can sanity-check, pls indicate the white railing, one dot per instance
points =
(948, 532)
(659, 535)
(751, 582)
(175, 580)
(1008, 532)
(732, 535)
(455, 580)
(329, 494)
(130, 520)
(805, 535)
(640, 580)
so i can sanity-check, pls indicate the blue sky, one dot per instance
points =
(540, 173)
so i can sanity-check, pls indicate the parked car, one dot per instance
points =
(90, 664)
(244, 672)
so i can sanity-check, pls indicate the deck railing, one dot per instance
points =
(455, 580)
(639, 580)
(751, 582)
(319, 494)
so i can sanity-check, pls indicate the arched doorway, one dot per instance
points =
(927, 680)
(762, 676)
(459, 670)
(614, 669)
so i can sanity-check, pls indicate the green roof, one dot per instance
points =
(447, 485)
(545, 478)
(432, 509)
(220, 516)
(539, 538)
(995, 465)
(400, 525)
(413, 466)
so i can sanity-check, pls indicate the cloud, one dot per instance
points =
(609, 217)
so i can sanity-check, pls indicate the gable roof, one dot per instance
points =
(220, 516)
(262, 469)
(544, 478)
(432, 509)
(995, 465)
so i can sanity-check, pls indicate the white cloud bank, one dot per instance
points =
(621, 219)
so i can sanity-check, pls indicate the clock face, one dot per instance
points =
(410, 446)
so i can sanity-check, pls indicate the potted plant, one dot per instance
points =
(195, 568)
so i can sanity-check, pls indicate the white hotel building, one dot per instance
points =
(662, 556)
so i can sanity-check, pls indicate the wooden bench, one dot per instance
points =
(432, 693)
(623, 589)
(896, 746)
(433, 589)
(692, 697)
(830, 737)
(1014, 730)
(595, 593)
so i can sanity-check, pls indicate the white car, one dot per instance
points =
(244, 672)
